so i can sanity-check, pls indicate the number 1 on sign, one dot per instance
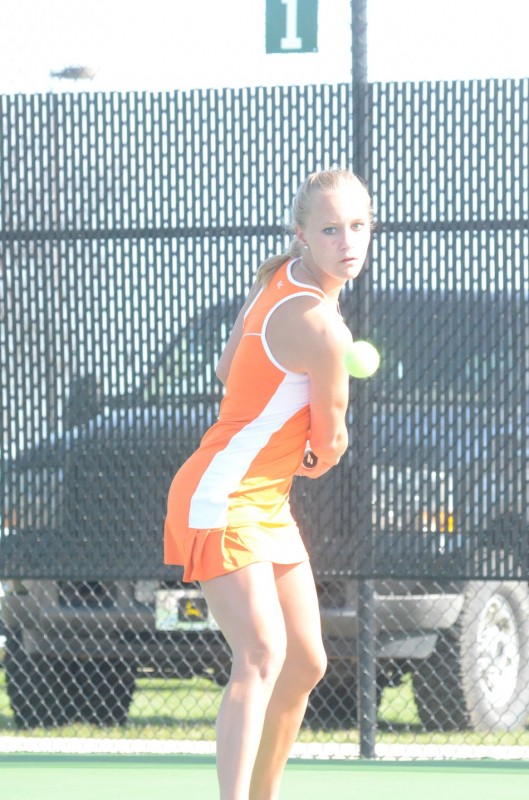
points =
(291, 41)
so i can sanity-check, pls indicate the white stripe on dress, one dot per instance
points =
(210, 501)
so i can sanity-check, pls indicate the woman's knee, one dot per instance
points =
(317, 667)
(308, 668)
(263, 660)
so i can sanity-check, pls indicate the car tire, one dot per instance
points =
(105, 688)
(333, 702)
(478, 675)
(39, 688)
(49, 692)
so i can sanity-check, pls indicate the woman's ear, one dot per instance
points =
(301, 238)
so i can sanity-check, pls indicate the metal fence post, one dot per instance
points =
(367, 699)
(367, 703)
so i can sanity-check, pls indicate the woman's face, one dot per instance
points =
(337, 232)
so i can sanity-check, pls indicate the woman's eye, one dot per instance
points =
(329, 231)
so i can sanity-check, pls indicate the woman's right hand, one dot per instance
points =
(312, 466)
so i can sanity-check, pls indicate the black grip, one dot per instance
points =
(310, 460)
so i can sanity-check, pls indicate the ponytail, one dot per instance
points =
(272, 264)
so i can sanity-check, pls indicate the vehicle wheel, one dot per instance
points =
(39, 688)
(104, 691)
(333, 702)
(478, 675)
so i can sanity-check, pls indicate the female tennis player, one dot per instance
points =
(229, 521)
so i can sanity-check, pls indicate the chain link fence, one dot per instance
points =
(131, 226)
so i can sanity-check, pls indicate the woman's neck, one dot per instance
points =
(332, 293)
(319, 278)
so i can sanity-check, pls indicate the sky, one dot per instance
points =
(163, 45)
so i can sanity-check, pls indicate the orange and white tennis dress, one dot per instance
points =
(228, 505)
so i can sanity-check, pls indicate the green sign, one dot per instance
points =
(291, 26)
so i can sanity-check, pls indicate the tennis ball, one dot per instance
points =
(362, 359)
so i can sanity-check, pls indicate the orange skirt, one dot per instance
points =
(210, 553)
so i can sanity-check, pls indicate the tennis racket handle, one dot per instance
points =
(310, 459)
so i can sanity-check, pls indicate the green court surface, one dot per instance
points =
(59, 777)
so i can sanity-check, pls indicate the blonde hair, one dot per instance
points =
(326, 180)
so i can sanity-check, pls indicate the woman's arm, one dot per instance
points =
(224, 363)
(307, 336)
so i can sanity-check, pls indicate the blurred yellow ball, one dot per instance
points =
(362, 359)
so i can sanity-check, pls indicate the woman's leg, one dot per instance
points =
(246, 606)
(304, 666)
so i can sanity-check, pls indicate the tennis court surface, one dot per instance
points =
(56, 777)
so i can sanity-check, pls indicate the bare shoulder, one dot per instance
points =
(305, 332)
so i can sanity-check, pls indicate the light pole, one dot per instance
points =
(60, 356)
